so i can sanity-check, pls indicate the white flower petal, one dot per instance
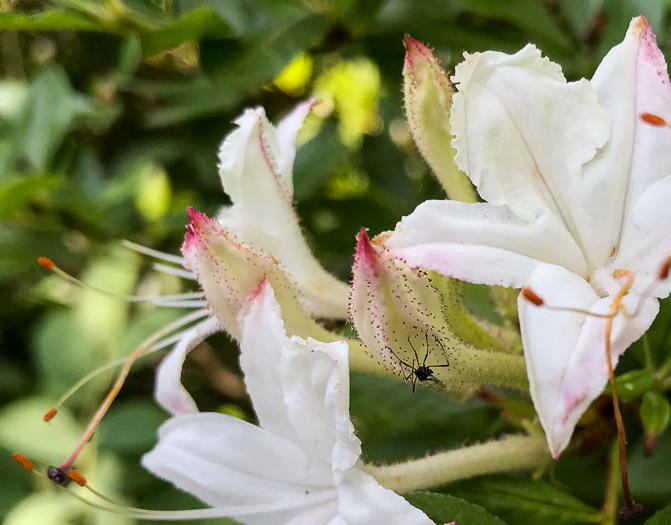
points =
(653, 207)
(287, 129)
(326, 514)
(262, 345)
(299, 390)
(250, 176)
(255, 162)
(599, 207)
(565, 351)
(652, 155)
(169, 391)
(649, 240)
(481, 243)
(365, 502)
(631, 80)
(523, 134)
(315, 380)
(227, 462)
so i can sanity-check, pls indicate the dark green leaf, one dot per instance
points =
(443, 508)
(526, 502)
(394, 422)
(50, 111)
(633, 384)
(528, 15)
(15, 192)
(357, 14)
(240, 15)
(318, 159)
(129, 58)
(663, 517)
(52, 20)
(263, 57)
(655, 413)
(130, 427)
(580, 13)
(193, 26)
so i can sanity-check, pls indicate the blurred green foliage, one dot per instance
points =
(111, 113)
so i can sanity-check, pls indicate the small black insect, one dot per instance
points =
(421, 372)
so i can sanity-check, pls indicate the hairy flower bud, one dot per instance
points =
(428, 99)
(408, 323)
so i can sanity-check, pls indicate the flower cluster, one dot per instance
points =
(574, 190)
(575, 182)
(572, 178)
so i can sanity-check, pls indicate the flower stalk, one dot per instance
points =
(509, 453)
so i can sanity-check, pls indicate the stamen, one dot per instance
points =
(216, 512)
(58, 472)
(179, 300)
(199, 314)
(537, 300)
(663, 272)
(50, 415)
(654, 120)
(532, 297)
(45, 262)
(152, 253)
(23, 460)
(179, 272)
(631, 508)
(77, 477)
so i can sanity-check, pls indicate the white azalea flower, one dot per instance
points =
(260, 228)
(577, 186)
(301, 465)
(256, 164)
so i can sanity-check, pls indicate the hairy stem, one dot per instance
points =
(509, 453)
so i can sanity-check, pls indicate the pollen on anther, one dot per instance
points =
(77, 477)
(532, 297)
(23, 460)
(45, 262)
(50, 415)
(664, 269)
(654, 120)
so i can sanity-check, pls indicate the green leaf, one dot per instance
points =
(649, 475)
(16, 191)
(662, 517)
(317, 160)
(580, 13)
(357, 14)
(528, 15)
(394, 422)
(263, 56)
(443, 508)
(655, 413)
(238, 14)
(130, 58)
(526, 502)
(193, 26)
(632, 384)
(51, 20)
(50, 111)
(189, 100)
(130, 426)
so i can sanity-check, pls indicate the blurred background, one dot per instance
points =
(111, 114)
